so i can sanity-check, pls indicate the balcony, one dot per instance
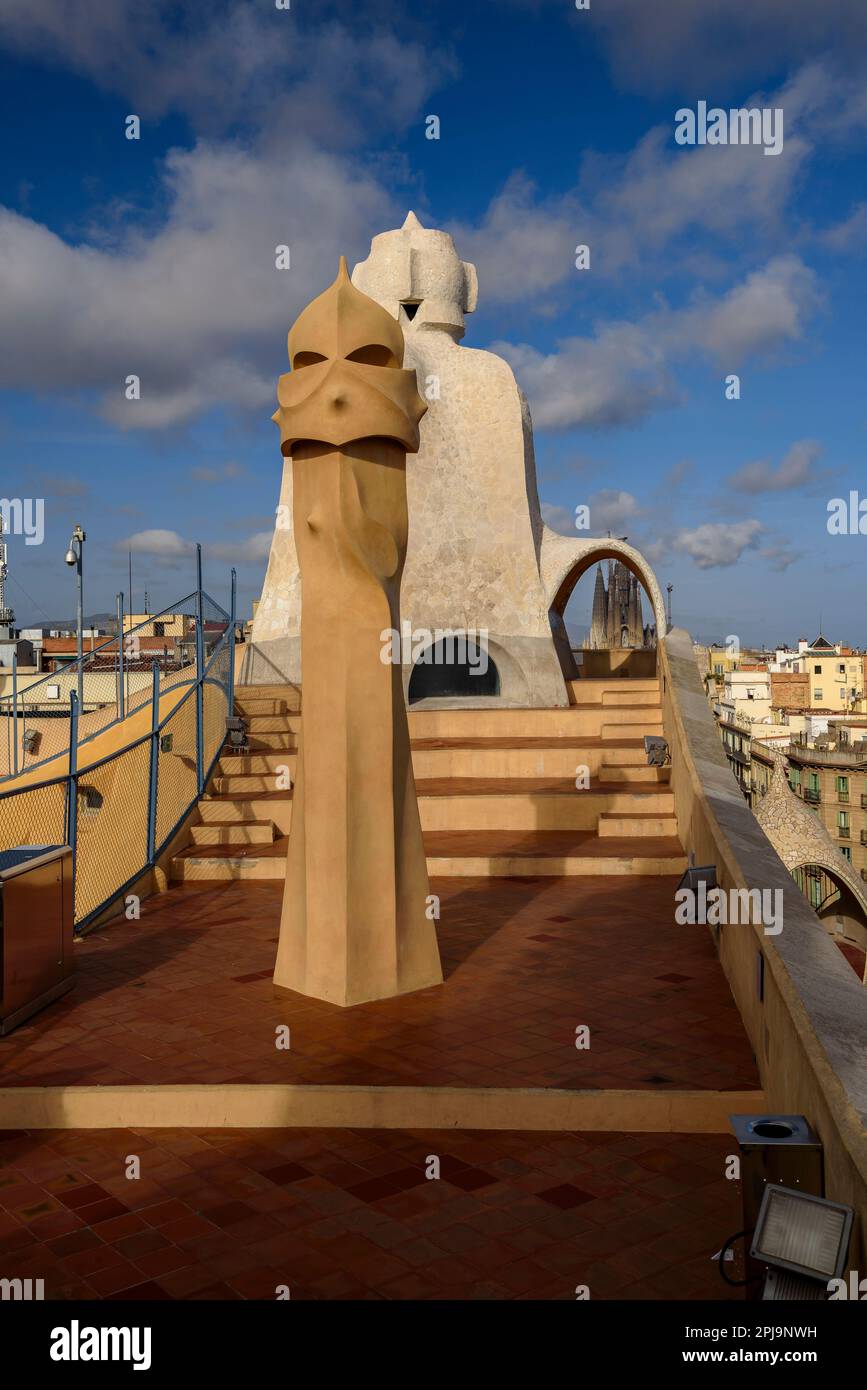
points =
(843, 798)
(864, 801)
(812, 795)
(843, 831)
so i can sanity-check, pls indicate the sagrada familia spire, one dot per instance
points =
(617, 619)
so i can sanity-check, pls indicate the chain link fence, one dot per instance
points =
(119, 812)
(113, 680)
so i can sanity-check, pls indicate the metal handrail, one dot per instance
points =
(20, 704)
(75, 778)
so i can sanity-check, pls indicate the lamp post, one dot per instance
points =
(74, 556)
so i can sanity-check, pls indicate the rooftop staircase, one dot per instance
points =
(505, 792)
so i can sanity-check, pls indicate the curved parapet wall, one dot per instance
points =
(809, 1027)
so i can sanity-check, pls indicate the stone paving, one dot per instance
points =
(350, 1214)
(185, 995)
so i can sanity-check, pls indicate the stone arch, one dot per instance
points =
(562, 562)
(565, 560)
(847, 917)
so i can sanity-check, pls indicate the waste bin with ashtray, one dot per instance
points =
(780, 1150)
(36, 926)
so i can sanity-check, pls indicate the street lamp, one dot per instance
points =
(74, 556)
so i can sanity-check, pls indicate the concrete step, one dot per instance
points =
(234, 832)
(247, 783)
(572, 721)
(263, 705)
(625, 825)
(612, 691)
(621, 730)
(290, 693)
(521, 758)
(584, 721)
(278, 741)
(535, 810)
(284, 724)
(607, 760)
(225, 863)
(452, 854)
(617, 772)
(648, 699)
(468, 804)
(276, 808)
(232, 764)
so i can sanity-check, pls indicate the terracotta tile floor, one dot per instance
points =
(350, 1214)
(185, 995)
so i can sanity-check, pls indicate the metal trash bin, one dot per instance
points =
(779, 1149)
(36, 926)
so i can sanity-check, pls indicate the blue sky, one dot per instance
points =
(260, 127)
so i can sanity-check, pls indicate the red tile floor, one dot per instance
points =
(185, 995)
(337, 1214)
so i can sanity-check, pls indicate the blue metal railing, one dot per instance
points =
(108, 670)
(120, 812)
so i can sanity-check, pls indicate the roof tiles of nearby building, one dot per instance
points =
(59, 646)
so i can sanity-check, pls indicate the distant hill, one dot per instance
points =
(103, 620)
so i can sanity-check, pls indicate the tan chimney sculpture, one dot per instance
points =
(355, 923)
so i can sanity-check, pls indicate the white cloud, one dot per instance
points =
(795, 470)
(234, 65)
(627, 370)
(197, 310)
(194, 306)
(717, 545)
(615, 378)
(779, 557)
(170, 546)
(610, 510)
(253, 550)
(521, 248)
(558, 518)
(630, 210)
(850, 234)
(769, 308)
(167, 544)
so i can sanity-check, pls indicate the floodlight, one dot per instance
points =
(236, 728)
(697, 874)
(31, 740)
(801, 1235)
(656, 749)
